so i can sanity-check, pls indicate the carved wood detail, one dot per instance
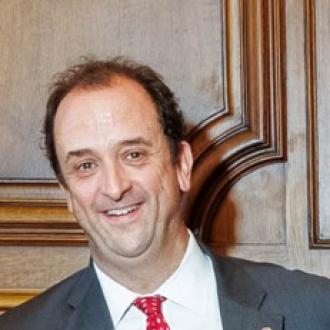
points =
(256, 110)
(315, 237)
(247, 133)
(37, 218)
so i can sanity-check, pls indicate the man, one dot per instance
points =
(114, 136)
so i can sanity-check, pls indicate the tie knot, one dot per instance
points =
(149, 305)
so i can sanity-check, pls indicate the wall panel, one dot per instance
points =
(246, 72)
(318, 76)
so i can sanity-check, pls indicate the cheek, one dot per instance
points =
(148, 176)
(165, 183)
(83, 192)
(151, 183)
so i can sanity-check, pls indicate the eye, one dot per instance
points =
(134, 155)
(86, 166)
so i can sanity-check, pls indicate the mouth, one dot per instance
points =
(121, 213)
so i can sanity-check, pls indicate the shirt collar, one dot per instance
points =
(191, 276)
(111, 288)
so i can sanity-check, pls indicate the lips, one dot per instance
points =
(121, 211)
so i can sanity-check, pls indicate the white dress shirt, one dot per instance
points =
(191, 296)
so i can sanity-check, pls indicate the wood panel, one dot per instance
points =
(318, 120)
(11, 298)
(230, 62)
(251, 131)
(251, 216)
(236, 113)
(39, 38)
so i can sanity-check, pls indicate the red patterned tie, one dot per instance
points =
(151, 306)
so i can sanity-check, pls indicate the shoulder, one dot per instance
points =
(272, 278)
(290, 292)
(52, 304)
(269, 274)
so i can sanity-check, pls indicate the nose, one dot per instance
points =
(115, 181)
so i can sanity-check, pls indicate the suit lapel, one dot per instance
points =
(89, 309)
(241, 299)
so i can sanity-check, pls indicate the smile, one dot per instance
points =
(122, 211)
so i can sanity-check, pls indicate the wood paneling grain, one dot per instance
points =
(318, 120)
(252, 211)
(251, 131)
(38, 267)
(36, 220)
(11, 298)
(181, 39)
(245, 80)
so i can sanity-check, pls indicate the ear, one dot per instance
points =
(184, 166)
(67, 194)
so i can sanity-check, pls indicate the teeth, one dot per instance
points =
(120, 212)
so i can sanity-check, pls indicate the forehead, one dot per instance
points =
(116, 112)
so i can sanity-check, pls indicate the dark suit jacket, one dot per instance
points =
(252, 296)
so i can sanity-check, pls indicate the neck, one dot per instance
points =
(145, 273)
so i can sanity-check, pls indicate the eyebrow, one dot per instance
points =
(128, 142)
(77, 153)
(136, 141)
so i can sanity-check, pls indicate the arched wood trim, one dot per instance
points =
(259, 136)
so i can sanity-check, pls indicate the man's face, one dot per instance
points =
(121, 183)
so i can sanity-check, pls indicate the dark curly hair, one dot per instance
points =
(99, 73)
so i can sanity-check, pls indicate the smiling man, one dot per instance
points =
(121, 181)
(115, 139)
